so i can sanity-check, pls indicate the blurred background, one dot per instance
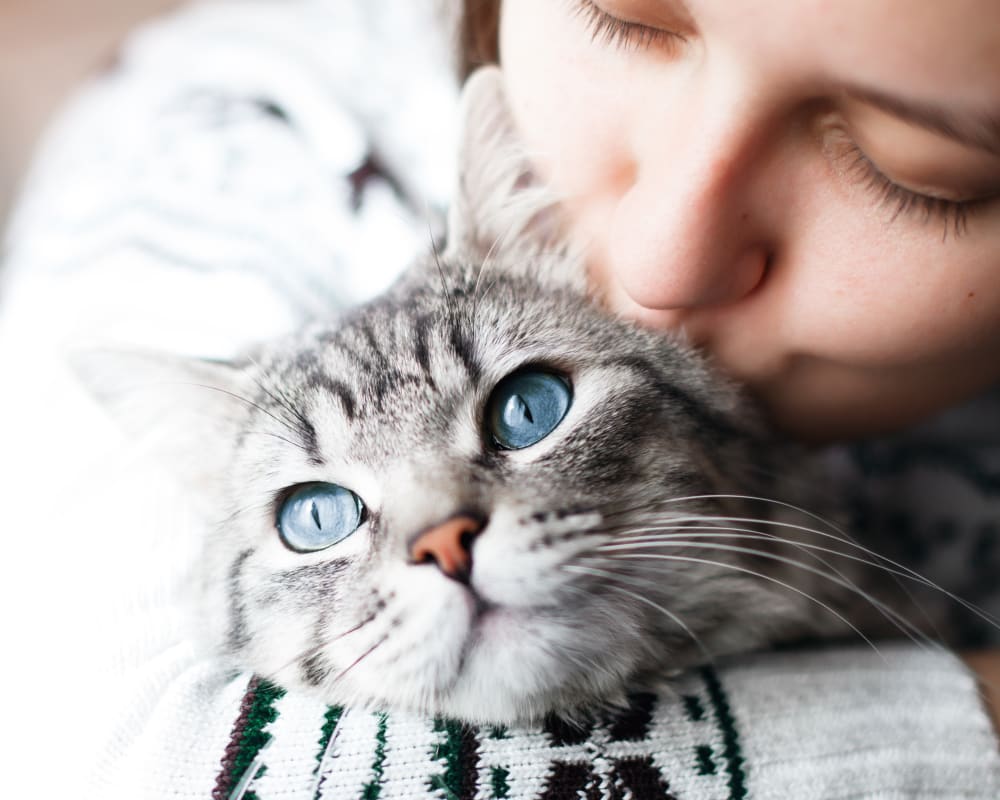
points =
(46, 48)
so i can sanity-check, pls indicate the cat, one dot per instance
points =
(481, 495)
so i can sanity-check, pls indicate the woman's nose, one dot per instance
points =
(685, 233)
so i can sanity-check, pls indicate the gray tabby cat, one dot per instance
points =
(482, 496)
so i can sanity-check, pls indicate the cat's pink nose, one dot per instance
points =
(449, 545)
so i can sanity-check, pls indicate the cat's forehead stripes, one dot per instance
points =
(388, 355)
(421, 346)
(684, 403)
(318, 380)
(463, 348)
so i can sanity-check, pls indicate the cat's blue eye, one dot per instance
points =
(318, 515)
(526, 407)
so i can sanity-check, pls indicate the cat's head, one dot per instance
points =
(454, 498)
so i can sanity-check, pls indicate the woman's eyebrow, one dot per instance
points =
(979, 130)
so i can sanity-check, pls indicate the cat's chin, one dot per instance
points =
(513, 665)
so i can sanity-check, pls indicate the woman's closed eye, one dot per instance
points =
(625, 34)
(900, 200)
(917, 162)
(906, 202)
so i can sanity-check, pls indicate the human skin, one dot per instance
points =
(810, 189)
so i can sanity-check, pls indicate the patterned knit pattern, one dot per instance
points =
(790, 726)
(660, 748)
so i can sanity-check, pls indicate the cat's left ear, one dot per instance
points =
(184, 412)
(499, 203)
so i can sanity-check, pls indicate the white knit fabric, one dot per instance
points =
(196, 199)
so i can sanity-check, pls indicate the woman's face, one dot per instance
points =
(809, 188)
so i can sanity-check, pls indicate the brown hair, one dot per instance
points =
(478, 25)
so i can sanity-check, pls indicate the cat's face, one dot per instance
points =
(422, 501)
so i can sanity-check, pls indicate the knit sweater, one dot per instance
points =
(245, 167)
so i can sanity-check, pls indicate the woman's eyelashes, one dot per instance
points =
(903, 202)
(621, 33)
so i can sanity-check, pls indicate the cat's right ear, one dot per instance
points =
(498, 202)
(184, 412)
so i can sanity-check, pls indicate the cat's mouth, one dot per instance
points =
(489, 623)
(484, 612)
(481, 608)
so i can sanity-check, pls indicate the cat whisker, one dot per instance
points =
(236, 513)
(644, 538)
(247, 401)
(313, 651)
(660, 534)
(287, 441)
(483, 263)
(889, 566)
(476, 285)
(897, 574)
(743, 497)
(653, 534)
(890, 614)
(904, 625)
(770, 579)
(672, 524)
(614, 578)
(845, 537)
(278, 396)
(343, 673)
(445, 287)
(757, 499)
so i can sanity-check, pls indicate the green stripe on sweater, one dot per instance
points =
(730, 736)
(253, 737)
(374, 787)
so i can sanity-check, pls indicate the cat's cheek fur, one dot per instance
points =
(517, 560)
(412, 648)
